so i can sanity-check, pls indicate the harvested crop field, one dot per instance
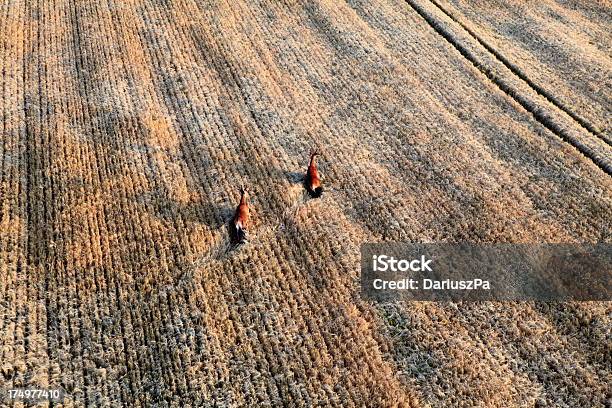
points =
(128, 127)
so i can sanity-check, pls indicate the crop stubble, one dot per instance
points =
(129, 125)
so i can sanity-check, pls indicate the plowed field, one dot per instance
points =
(127, 127)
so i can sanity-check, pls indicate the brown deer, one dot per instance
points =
(241, 218)
(312, 181)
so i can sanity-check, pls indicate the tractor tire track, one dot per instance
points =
(593, 146)
(518, 72)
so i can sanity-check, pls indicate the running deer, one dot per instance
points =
(312, 182)
(241, 218)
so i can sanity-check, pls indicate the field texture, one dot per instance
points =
(127, 127)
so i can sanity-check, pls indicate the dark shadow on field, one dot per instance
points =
(294, 177)
(577, 323)
(163, 207)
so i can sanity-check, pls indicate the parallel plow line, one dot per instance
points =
(590, 143)
(519, 73)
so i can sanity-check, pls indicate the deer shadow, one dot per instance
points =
(164, 207)
(294, 177)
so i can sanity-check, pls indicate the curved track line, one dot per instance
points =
(517, 71)
(528, 105)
